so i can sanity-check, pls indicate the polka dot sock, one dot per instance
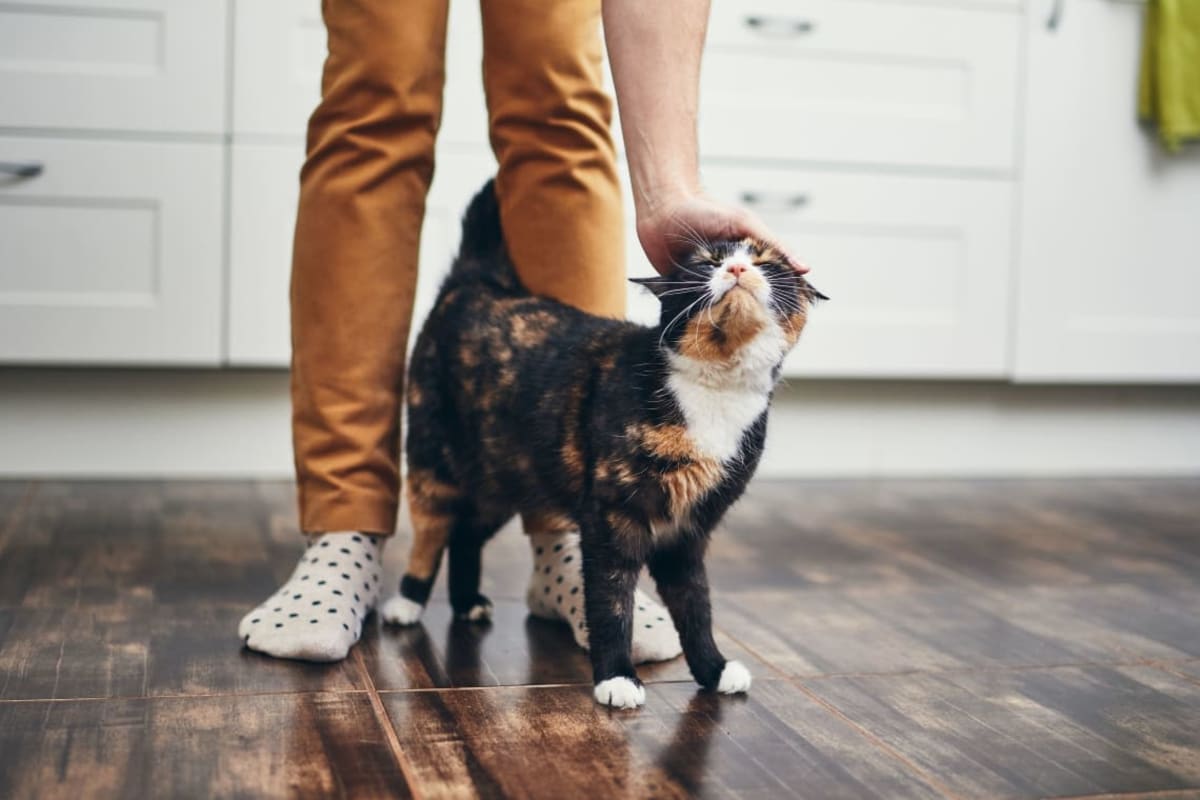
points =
(318, 614)
(556, 592)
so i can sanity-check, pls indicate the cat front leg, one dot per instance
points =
(609, 580)
(682, 580)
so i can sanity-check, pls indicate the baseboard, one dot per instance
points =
(235, 423)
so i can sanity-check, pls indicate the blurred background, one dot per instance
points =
(1014, 261)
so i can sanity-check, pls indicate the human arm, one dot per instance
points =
(655, 50)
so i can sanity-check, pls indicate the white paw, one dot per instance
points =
(399, 610)
(479, 613)
(735, 678)
(620, 693)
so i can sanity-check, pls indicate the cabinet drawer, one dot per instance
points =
(865, 81)
(112, 254)
(144, 65)
(918, 268)
(279, 53)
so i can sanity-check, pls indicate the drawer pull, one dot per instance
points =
(774, 203)
(28, 169)
(780, 26)
(1056, 14)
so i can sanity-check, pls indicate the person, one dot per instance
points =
(370, 160)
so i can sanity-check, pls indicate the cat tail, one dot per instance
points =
(483, 256)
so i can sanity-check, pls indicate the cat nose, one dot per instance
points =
(736, 269)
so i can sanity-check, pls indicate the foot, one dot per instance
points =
(556, 592)
(620, 693)
(318, 614)
(735, 678)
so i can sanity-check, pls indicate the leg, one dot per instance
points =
(362, 190)
(433, 506)
(362, 196)
(560, 200)
(466, 565)
(610, 579)
(556, 592)
(683, 583)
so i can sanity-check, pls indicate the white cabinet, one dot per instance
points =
(861, 81)
(111, 255)
(278, 51)
(1109, 257)
(124, 65)
(917, 267)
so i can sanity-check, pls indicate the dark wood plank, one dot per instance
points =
(515, 649)
(140, 649)
(554, 742)
(911, 534)
(816, 632)
(316, 745)
(107, 542)
(129, 589)
(1036, 732)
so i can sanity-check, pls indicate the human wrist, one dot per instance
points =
(651, 199)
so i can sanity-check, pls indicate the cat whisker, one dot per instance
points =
(667, 327)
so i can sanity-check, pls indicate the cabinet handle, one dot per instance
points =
(774, 203)
(1055, 18)
(780, 26)
(27, 169)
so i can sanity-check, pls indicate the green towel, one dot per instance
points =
(1169, 85)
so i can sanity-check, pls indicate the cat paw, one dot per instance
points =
(479, 611)
(620, 692)
(399, 610)
(735, 678)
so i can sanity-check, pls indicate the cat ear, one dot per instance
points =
(811, 292)
(657, 284)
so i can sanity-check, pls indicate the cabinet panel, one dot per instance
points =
(1110, 248)
(860, 81)
(141, 65)
(918, 268)
(112, 254)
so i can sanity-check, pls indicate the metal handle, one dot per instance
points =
(776, 203)
(28, 169)
(780, 26)
(1055, 18)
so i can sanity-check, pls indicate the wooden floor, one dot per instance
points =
(908, 639)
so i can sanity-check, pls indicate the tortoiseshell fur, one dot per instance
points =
(521, 404)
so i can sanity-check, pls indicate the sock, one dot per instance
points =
(318, 614)
(556, 592)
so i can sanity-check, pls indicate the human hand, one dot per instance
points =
(678, 224)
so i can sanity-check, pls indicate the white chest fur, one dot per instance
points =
(720, 401)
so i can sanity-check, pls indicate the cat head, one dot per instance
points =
(728, 298)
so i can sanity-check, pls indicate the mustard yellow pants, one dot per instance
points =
(362, 200)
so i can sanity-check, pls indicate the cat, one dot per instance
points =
(642, 437)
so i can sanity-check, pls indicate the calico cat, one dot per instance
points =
(642, 437)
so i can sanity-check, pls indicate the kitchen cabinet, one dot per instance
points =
(111, 255)
(1108, 267)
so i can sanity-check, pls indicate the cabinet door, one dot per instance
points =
(128, 65)
(1110, 224)
(262, 218)
(918, 268)
(864, 81)
(113, 254)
